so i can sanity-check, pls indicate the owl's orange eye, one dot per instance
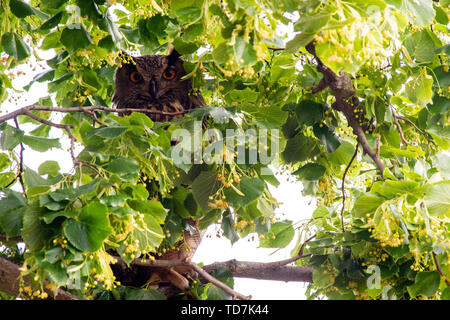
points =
(135, 77)
(169, 74)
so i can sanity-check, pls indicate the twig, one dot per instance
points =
(399, 128)
(20, 172)
(343, 186)
(439, 269)
(415, 127)
(299, 255)
(184, 263)
(26, 111)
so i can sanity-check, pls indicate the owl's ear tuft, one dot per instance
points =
(173, 56)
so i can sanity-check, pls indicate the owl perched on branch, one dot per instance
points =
(154, 82)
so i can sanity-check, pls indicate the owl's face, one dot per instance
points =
(150, 80)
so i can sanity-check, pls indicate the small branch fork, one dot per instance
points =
(344, 92)
(397, 117)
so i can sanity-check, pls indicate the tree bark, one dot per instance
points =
(9, 282)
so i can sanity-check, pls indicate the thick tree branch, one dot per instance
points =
(9, 282)
(263, 271)
(346, 102)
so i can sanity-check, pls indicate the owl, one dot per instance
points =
(154, 82)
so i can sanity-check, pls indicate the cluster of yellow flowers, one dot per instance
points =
(27, 292)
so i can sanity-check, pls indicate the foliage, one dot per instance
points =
(126, 193)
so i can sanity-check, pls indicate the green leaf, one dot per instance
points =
(75, 37)
(390, 189)
(445, 295)
(204, 186)
(298, 148)
(71, 194)
(44, 76)
(41, 144)
(426, 284)
(5, 162)
(420, 46)
(366, 203)
(320, 212)
(22, 9)
(32, 179)
(309, 112)
(343, 154)
(228, 227)
(322, 278)
(35, 233)
(249, 189)
(151, 207)
(91, 229)
(313, 23)
(126, 168)
(15, 46)
(310, 171)
(12, 207)
(49, 217)
(49, 167)
(244, 53)
(437, 199)
(280, 235)
(421, 12)
(108, 132)
(441, 16)
(11, 137)
(327, 136)
(420, 89)
(221, 53)
(300, 40)
(51, 22)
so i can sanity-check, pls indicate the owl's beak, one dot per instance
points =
(153, 88)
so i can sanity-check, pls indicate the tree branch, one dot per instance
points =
(346, 102)
(169, 264)
(88, 109)
(263, 271)
(439, 269)
(9, 282)
(399, 128)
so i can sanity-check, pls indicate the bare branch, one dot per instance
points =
(20, 171)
